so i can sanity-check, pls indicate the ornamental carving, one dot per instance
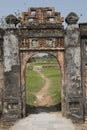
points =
(35, 43)
(25, 43)
(42, 43)
(41, 15)
(59, 42)
(72, 18)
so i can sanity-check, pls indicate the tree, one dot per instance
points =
(3, 23)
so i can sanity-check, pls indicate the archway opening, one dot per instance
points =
(43, 84)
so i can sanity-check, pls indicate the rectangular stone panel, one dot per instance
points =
(41, 43)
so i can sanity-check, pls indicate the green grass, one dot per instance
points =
(43, 63)
(33, 84)
(55, 89)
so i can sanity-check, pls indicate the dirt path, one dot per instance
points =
(42, 97)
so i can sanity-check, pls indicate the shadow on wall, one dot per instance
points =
(30, 109)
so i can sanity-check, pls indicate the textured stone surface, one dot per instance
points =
(11, 53)
(1, 86)
(74, 93)
(83, 33)
(72, 18)
(41, 15)
(12, 95)
(1, 70)
(11, 19)
(71, 52)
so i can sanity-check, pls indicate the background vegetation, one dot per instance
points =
(34, 83)
(55, 89)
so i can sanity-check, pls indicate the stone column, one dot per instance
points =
(74, 93)
(1, 69)
(12, 93)
(24, 56)
(83, 35)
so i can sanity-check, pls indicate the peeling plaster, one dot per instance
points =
(11, 51)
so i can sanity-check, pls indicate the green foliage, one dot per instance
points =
(55, 89)
(3, 24)
(33, 84)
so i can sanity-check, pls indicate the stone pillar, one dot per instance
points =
(83, 34)
(12, 93)
(24, 57)
(1, 69)
(74, 92)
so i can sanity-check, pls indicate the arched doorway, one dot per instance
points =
(25, 56)
(43, 84)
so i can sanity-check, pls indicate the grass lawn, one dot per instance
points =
(33, 84)
(43, 63)
(55, 89)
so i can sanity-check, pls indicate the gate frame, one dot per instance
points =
(25, 56)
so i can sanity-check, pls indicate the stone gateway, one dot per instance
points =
(41, 30)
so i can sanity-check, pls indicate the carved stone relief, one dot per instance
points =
(41, 43)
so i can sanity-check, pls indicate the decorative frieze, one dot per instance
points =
(41, 43)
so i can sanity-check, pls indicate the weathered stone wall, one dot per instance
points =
(38, 37)
(12, 94)
(1, 69)
(74, 93)
(1, 86)
(83, 34)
